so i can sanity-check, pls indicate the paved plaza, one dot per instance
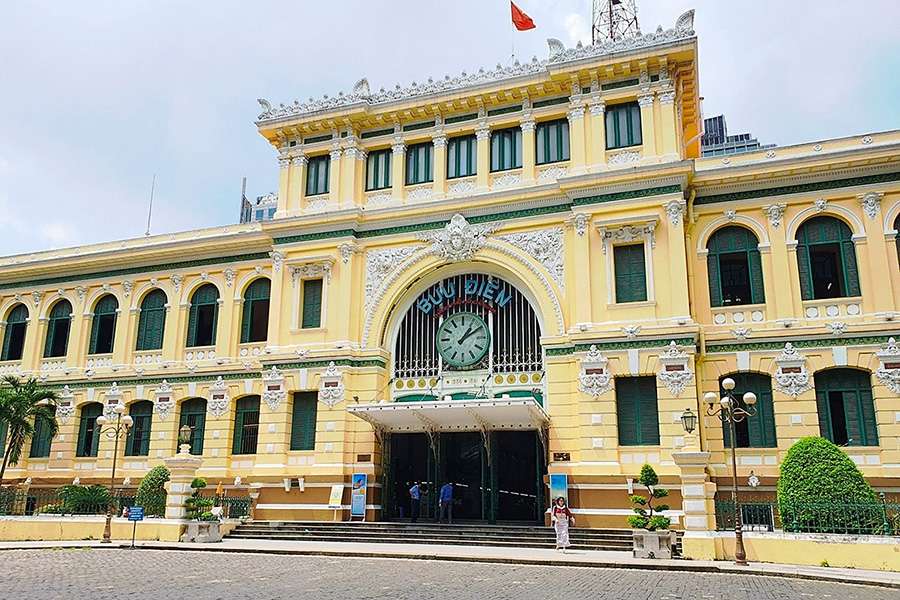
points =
(116, 573)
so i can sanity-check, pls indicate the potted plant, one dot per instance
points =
(204, 523)
(650, 528)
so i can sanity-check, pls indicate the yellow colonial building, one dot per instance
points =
(485, 279)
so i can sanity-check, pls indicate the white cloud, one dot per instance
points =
(578, 29)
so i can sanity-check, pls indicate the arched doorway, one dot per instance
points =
(467, 391)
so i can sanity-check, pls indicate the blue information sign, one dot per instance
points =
(136, 513)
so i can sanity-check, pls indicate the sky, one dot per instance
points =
(98, 96)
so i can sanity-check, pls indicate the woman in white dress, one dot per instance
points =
(561, 517)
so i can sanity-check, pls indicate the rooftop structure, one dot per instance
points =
(717, 142)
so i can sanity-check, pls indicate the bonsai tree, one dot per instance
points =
(821, 490)
(646, 515)
(21, 405)
(151, 494)
(197, 507)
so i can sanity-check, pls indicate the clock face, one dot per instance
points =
(463, 339)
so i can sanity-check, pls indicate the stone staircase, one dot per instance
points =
(518, 536)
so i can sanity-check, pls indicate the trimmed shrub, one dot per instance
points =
(83, 499)
(151, 494)
(644, 517)
(821, 490)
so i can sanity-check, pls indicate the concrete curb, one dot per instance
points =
(683, 566)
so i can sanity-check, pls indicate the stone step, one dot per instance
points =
(545, 532)
(418, 536)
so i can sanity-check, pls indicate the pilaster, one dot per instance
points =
(398, 158)
(33, 350)
(439, 168)
(777, 265)
(120, 341)
(698, 503)
(874, 284)
(334, 175)
(351, 186)
(648, 130)
(577, 149)
(284, 168)
(668, 121)
(580, 240)
(483, 149)
(296, 187)
(529, 159)
(597, 109)
(276, 299)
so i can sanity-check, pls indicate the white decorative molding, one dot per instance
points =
(177, 280)
(675, 372)
(273, 388)
(81, 292)
(552, 173)
(277, 260)
(730, 215)
(311, 270)
(645, 99)
(627, 234)
(791, 376)
(770, 154)
(775, 214)
(331, 386)
(461, 188)
(65, 405)
(546, 247)
(420, 193)
(821, 204)
(675, 211)
(631, 331)
(623, 158)
(347, 250)
(837, 328)
(506, 180)
(580, 223)
(871, 202)
(229, 275)
(559, 54)
(458, 240)
(597, 106)
(218, 398)
(127, 287)
(888, 372)
(594, 378)
(379, 200)
(866, 140)
(317, 204)
(163, 401)
(36, 298)
(111, 398)
(379, 266)
(741, 333)
(667, 97)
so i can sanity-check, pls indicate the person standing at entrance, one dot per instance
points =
(561, 517)
(415, 501)
(446, 499)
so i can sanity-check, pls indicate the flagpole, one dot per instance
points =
(512, 39)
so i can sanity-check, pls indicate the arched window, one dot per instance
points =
(103, 325)
(137, 443)
(897, 238)
(152, 322)
(757, 431)
(734, 267)
(204, 316)
(42, 438)
(57, 342)
(255, 321)
(246, 425)
(14, 336)
(826, 259)
(846, 408)
(88, 435)
(193, 414)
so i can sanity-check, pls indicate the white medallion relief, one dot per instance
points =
(162, 401)
(624, 158)
(674, 372)
(420, 194)
(791, 376)
(461, 188)
(594, 378)
(775, 213)
(552, 174)
(65, 406)
(459, 240)
(506, 180)
(381, 263)
(218, 398)
(273, 388)
(331, 386)
(888, 372)
(545, 246)
(870, 202)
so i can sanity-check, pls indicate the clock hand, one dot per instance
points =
(466, 335)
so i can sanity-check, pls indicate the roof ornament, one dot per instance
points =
(685, 22)
(556, 47)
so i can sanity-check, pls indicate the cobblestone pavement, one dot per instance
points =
(99, 574)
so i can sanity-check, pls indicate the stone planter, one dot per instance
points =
(202, 532)
(652, 544)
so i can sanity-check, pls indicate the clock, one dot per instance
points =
(463, 339)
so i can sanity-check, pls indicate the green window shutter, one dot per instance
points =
(95, 330)
(7, 338)
(192, 325)
(58, 328)
(824, 411)
(715, 284)
(866, 411)
(649, 424)
(757, 289)
(152, 320)
(3, 429)
(137, 442)
(16, 322)
(246, 320)
(317, 172)
(312, 303)
(303, 421)
(626, 412)
(803, 266)
(637, 412)
(761, 427)
(630, 273)
(851, 272)
(193, 414)
(40, 440)
(238, 431)
(623, 125)
(246, 416)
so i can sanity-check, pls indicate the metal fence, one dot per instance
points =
(878, 518)
(234, 507)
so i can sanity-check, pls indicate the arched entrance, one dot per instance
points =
(467, 396)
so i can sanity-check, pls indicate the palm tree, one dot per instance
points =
(21, 404)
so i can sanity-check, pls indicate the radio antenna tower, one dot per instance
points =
(614, 20)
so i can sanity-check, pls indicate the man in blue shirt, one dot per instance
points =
(446, 499)
(415, 501)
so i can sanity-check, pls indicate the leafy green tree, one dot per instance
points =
(648, 516)
(821, 490)
(84, 499)
(151, 493)
(21, 404)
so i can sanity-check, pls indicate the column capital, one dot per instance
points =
(439, 139)
(336, 151)
(284, 162)
(527, 122)
(576, 111)
(645, 99)
(398, 147)
(667, 97)
(483, 131)
(299, 160)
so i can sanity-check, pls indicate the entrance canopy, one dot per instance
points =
(488, 414)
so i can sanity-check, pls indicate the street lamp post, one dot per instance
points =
(115, 430)
(730, 410)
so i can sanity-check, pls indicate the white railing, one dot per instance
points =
(738, 315)
(832, 308)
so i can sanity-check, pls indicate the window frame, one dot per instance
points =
(303, 300)
(632, 397)
(849, 280)
(381, 159)
(724, 242)
(828, 381)
(250, 318)
(415, 155)
(99, 320)
(762, 425)
(303, 435)
(454, 152)
(55, 322)
(15, 332)
(244, 432)
(41, 443)
(196, 304)
(91, 422)
(618, 278)
(544, 132)
(633, 135)
(139, 446)
(197, 432)
(514, 136)
(147, 338)
(320, 183)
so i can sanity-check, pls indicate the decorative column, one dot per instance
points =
(483, 149)
(676, 258)
(779, 286)
(698, 503)
(33, 353)
(276, 302)
(529, 159)
(577, 149)
(439, 167)
(296, 181)
(648, 130)
(877, 247)
(334, 175)
(597, 107)
(124, 326)
(284, 167)
(668, 121)
(182, 470)
(81, 328)
(580, 269)
(351, 191)
(398, 158)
